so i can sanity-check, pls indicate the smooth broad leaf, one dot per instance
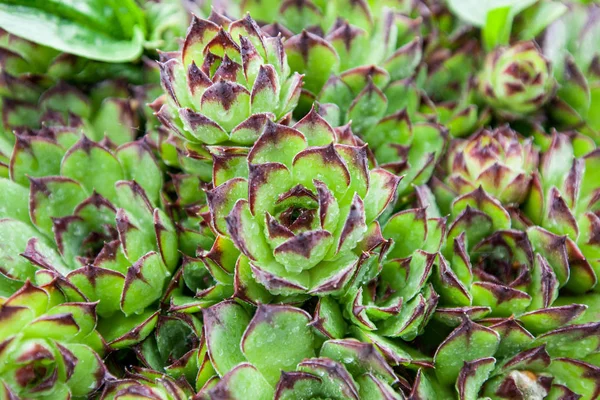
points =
(92, 29)
(278, 327)
(536, 18)
(224, 326)
(475, 11)
(498, 24)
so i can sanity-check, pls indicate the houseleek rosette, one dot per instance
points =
(517, 80)
(399, 300)
(500, 161)
(564, 201)
(301, 210)
(503, 360)
(224, 85)
(87, 216)
(49, 349)
(495, 270)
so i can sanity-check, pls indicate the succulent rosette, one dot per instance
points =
(49, 349)
(177, 348)
(564, 201)
(503, 360)
(500, 161)
(225, 84)
(146, 384)
(91, 220)
(304, 219)
(571, 44)
(517, 80)
(399, 300)
(495, 270)
(246, 366)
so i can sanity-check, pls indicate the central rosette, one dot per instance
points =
(299, 217)
(505, 258)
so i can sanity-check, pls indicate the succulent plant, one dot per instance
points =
(501, 359)
(516, 81)
(571, 44)
(502, 271)
(91, 221)
(345, 368)
(146, 384)
(399, 300)
(564, 200)
(349, 199)
(298, 217)
(225, 84)
(49, 349)
(500, 161)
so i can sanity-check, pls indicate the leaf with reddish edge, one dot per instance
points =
(224, 326)
(277, 327)
(468, 342)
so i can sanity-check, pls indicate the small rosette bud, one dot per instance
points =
(516, 81)
(499, 161)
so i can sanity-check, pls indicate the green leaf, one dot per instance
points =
(537, 17)
(224, 325)
(87, 371)
(475, 11)
(94, 166)
(14, 201)
(121, 331)
(498, 24)
(143, 284)
(100, 30)
(472, 376)
(271, 328)
(242, 382)
(53, 197)
(14, 236)
(468, 342)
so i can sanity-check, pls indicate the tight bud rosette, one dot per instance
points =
(226, 83)
(304, 218)
(516, 81)
(499, 161)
